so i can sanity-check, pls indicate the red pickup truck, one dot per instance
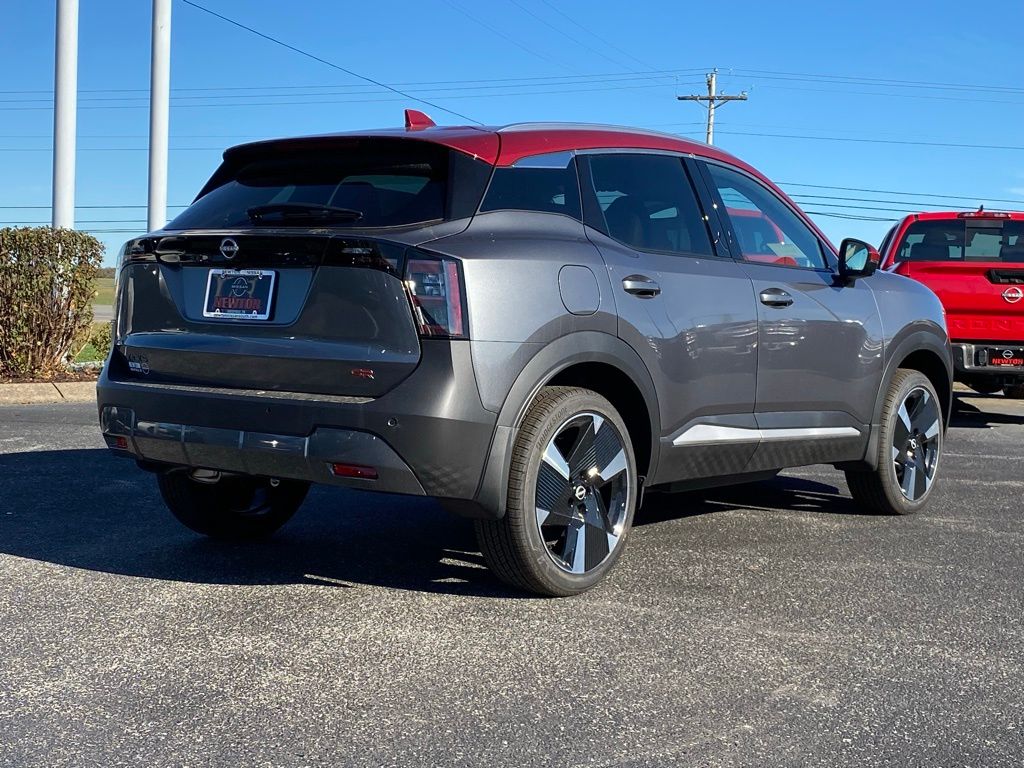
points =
(974, 262)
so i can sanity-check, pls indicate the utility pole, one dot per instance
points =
(65, 106)
(159, 111)
(713, 100)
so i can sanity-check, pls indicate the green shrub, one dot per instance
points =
(46, 290)
(100, 339)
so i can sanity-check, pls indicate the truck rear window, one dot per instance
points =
(380, 184)
(963, 240)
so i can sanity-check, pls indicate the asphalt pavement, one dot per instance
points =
(773, 624)
(102, 313)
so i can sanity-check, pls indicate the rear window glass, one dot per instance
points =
(546, 184)
(360, 185)
(963, 240)
(649, 203)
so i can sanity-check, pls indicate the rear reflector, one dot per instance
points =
(118, 442)
(354, 470)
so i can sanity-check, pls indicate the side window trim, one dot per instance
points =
(593, 216)
(827, 256)
(719, 226)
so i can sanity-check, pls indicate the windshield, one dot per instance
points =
(380, 185)
(963, 240)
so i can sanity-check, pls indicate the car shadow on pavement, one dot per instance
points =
(89, 509)
(969, 415)
(792, 494)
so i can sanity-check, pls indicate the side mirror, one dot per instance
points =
(857, 259)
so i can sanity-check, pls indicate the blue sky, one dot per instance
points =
(849, 80)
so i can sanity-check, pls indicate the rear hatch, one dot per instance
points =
(975, 265)
(289, 272)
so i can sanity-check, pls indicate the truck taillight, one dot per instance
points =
(438, 299)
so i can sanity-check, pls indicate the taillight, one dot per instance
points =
(438, 299)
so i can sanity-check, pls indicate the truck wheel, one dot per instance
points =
(1016, 392)
(909, 448)
(572, 492)
(231, 507)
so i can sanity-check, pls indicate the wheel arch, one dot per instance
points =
(927, 352)
(593, 360)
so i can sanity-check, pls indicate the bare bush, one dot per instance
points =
(46, 289)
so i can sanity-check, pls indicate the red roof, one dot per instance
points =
(505, 145)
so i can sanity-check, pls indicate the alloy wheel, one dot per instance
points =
(583, 491)
(916, 443)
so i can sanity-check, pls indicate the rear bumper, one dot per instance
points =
(307, 457)
(965, 361)
(428, 436)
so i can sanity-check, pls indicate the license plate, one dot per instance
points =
(1008, 358)
(239, 294)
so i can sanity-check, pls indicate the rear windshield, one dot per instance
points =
(365, 184)
(963, 240)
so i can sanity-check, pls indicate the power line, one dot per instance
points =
(503, 36)
(112, 149)
(925, 96)
(858, 80)
(340, 68)
(89, 221)
(819, 129)
(649, 71)
(565, 34)
(320, 102)
(875, 141)
(895, 192)
(79, 207)
(848, 206)
(600, 76)
(804, 196)
(357, 89)
(851, 217)
(596, 36)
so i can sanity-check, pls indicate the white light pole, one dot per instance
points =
(159, 110)
(65, 105)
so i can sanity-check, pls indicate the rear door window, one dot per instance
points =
(648, 203)
(383, 184)
(767, 230)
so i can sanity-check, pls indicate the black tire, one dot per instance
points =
(1016, 392)
(234, 507)
(915, 460)
(535, 556)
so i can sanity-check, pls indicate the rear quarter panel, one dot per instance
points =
(511, 263)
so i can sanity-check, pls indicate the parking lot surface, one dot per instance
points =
(772, 624)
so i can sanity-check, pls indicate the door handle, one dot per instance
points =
(641, 286)
(775, 297)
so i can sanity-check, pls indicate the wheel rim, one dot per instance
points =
(583, 492)
(916, 443)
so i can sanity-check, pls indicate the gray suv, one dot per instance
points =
(533, 324)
